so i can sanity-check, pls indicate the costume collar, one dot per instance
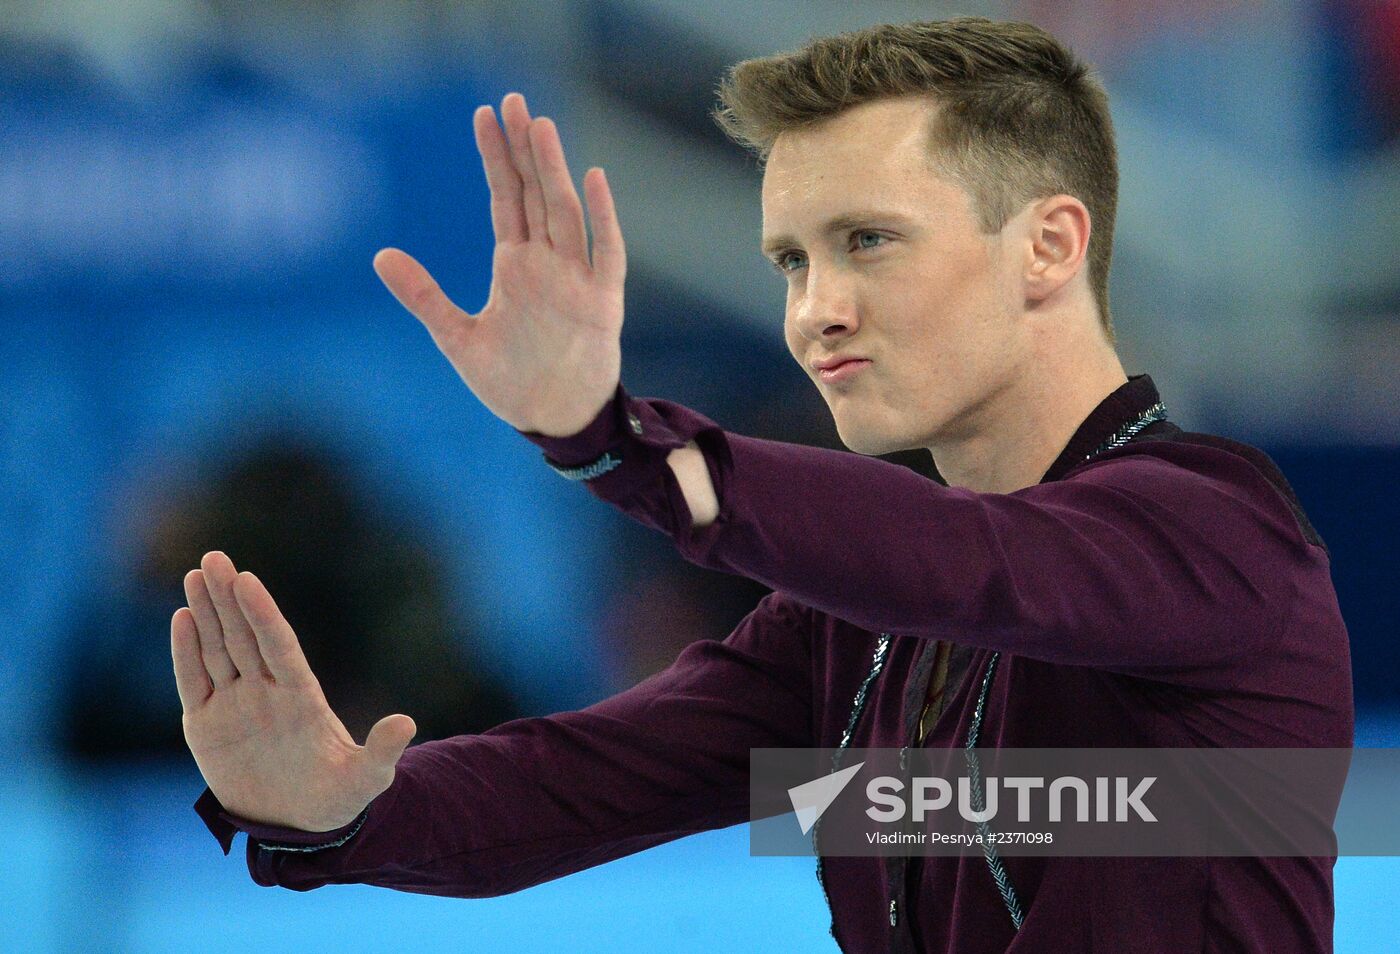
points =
(1131, 400)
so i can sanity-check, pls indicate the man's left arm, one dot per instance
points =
(1136, 563)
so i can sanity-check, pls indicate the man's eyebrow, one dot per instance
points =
(840, 223)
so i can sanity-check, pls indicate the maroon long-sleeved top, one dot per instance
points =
(1169, 593)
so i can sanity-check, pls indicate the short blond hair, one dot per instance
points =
(1021, 117)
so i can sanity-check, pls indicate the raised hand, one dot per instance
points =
(255, 718)
(544, 354)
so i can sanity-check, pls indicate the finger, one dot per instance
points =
(517, 119)
(507, 192)
(276, 640)
(563, 212)
(388, 738)
(416, 290)
(609, 252)
(191, 678)
(242, 645)
(217, 661)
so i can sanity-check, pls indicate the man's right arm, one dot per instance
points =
(538, 798)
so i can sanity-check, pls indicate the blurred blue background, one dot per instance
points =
(196, 354)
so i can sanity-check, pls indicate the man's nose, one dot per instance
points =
(827, 307)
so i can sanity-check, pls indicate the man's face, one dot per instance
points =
(885, 262)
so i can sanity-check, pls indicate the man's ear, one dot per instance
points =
(1057, 245)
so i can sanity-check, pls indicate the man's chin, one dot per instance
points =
(869, 443)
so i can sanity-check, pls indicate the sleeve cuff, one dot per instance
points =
(628, 427)
(638, 435)
(605, 432)
(223, 826)
(623, 420)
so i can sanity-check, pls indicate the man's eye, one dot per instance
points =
(782, 262)
(862, 236)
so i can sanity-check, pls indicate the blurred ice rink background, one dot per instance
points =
(196, 354)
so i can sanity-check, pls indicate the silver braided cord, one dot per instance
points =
(267, 846)
(598, 468)
(984, 828)
(878, 663)
(1157, 412)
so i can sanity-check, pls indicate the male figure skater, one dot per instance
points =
(939, 198)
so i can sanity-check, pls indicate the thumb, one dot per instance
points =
(417, 291)
(388, 738)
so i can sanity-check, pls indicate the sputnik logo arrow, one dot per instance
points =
(812, 798)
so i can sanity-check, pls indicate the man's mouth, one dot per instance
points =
(842, 371)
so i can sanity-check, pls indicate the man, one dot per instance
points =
(939, 198)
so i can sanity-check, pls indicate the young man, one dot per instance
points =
(939, 198)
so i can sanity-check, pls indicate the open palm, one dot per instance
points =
(255, 717)
(544, 354)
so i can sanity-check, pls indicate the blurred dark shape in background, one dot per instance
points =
(365, 597)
